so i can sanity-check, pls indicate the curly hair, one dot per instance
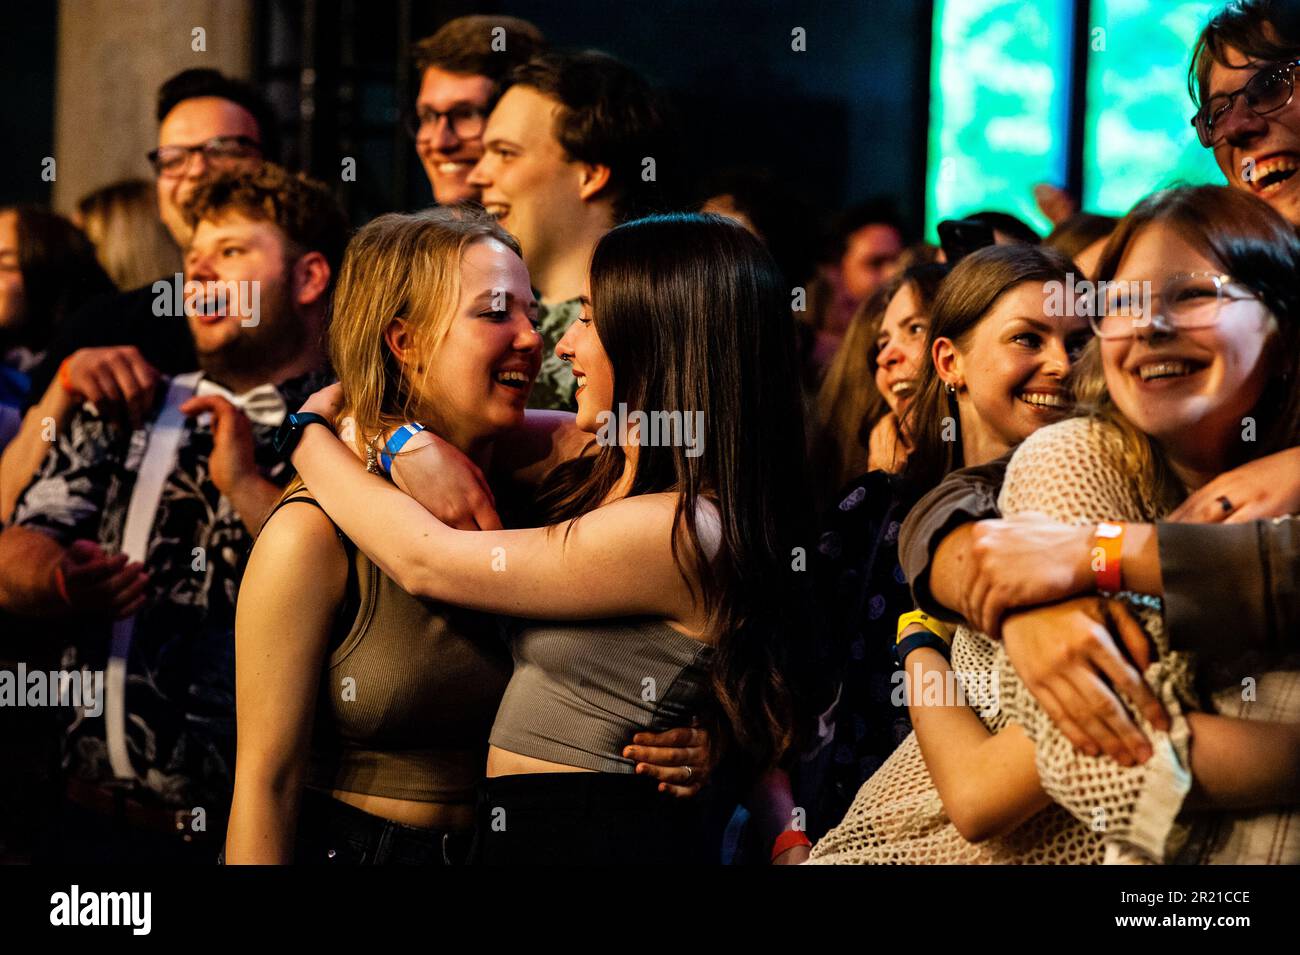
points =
(303, 208)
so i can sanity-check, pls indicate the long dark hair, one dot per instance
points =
(966, 296)
(60, 273)
(694, 316)
(1256, 246)
(848, 403)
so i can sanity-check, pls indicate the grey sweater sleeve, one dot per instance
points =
(970, 494)
(1232, 587)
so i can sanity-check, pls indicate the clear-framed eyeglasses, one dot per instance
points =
(1186, 301)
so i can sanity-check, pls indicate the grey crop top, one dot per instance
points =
(581, 690)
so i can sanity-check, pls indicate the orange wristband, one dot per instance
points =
(788, 840)
(1108, 545)
(64, 378)
(61, 585)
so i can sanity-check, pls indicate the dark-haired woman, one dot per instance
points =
(867, 391)
(997, 369)
(47, 269)
(664, 583)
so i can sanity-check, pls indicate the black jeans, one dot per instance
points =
(331, 832)
(585, 819)
(81, 836)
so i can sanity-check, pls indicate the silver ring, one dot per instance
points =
(689, 773)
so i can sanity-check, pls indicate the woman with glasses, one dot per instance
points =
(1178, 392)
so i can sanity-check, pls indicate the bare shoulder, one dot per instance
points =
(656, 514)
(300, 539)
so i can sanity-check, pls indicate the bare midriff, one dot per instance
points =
(502, 762)
(421, 815)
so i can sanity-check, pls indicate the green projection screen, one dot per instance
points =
(1137, 134)
(999, 106)
(1000, 99)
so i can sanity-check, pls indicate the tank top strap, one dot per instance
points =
(348, 609)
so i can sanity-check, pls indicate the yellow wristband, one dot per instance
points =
(936, 627)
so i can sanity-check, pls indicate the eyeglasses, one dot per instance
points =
(1190, 300)
(223, 150)
(466, 121)
(1266, 92)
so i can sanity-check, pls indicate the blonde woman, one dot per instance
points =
(364, 712)
(131, 243)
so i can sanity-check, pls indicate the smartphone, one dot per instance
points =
(960, 237)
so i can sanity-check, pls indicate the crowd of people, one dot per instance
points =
(588, 518)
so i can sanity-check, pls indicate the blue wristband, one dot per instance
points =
(398, 441)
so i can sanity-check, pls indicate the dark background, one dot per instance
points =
(843, 121)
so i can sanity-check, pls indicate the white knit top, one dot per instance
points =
(1073, 472)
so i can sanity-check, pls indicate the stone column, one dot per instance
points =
(112, 57)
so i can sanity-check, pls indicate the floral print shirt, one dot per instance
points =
(180, 703)
(553, 389)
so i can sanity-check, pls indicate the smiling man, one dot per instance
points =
(578, 143)
(461, 68)
(208, 124)
(164, 745)
(1242, 80)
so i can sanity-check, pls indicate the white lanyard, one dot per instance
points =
(158, 463)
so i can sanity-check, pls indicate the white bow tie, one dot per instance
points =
(263, 404)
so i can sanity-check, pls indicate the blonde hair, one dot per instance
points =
(1159, 489)
(131, 243)
(398, 266)
(848, 402)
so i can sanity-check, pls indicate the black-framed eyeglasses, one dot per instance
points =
(466, 121)
(172, 160)
(1266, 92)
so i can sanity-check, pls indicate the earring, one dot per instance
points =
(952, 389)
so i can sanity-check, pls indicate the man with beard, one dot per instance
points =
(181, 494)
(111, 350)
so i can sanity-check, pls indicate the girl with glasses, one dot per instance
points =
(1171, 405)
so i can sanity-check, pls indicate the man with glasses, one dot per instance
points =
(461, 68)
(111, 351)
